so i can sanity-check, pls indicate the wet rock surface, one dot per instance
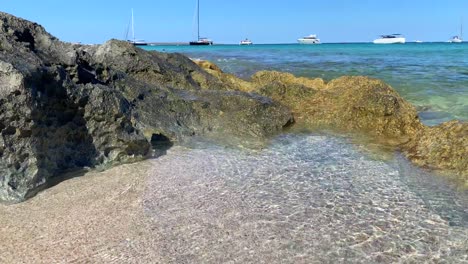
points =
(442, 146)
(65, 107)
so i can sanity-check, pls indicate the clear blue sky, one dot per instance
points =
(228, 21)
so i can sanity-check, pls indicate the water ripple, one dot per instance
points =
(303, 199)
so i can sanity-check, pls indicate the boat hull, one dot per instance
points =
(390, 41)
(245, 43)
(455, 41)
(200, 43)
(308, 41)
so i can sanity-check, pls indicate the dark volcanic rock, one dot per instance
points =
(52, 119)
(171, 95)
(65, 106)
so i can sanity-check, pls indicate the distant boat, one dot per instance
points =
(136, 42)
(390, 39)
(246, 42)
(200, 41)
(458, 39)
(418, 41)
(311, 39)
(455, 39)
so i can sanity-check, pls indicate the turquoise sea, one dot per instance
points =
(432, 76)
(312, 197)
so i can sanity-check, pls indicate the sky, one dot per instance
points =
(229, 21)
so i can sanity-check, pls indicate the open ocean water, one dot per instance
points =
(313, 198)
(432, 76)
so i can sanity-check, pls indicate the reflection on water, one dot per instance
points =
(302, 199)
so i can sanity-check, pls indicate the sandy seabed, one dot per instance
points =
(222, 206)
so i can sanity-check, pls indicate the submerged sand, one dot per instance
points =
(304, 199)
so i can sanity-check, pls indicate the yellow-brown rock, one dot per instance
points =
(208, 65)
(230, 81)
(442, 147)
(365, 105)
(362, 105)
(262, 78)
(348, 103)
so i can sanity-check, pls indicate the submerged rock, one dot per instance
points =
(65, 107)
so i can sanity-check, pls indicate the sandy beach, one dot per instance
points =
(218, 205)
(92, 218)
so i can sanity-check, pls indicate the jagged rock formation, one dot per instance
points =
(362, 105)
(65, 106)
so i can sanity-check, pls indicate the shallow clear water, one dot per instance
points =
(303, 199)
(315, 198)
(432, 76)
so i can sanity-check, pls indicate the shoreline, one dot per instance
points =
(78, 219)
(182, 208)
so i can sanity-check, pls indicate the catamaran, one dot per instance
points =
(390, 39)
(136, 42)
(200, 40)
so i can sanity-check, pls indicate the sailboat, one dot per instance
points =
(458, 39)
(200, 41)
(136, 42)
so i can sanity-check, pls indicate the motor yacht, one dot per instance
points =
(245, 42)
(311, 39)
(390, 39)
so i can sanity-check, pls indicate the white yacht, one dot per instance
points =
(458, 39)
(311, 39)
(455, 39)
(390, 39)
(246, 42)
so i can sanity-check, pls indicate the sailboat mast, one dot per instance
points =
(461, 29)
(133, 28)
(198, 19)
